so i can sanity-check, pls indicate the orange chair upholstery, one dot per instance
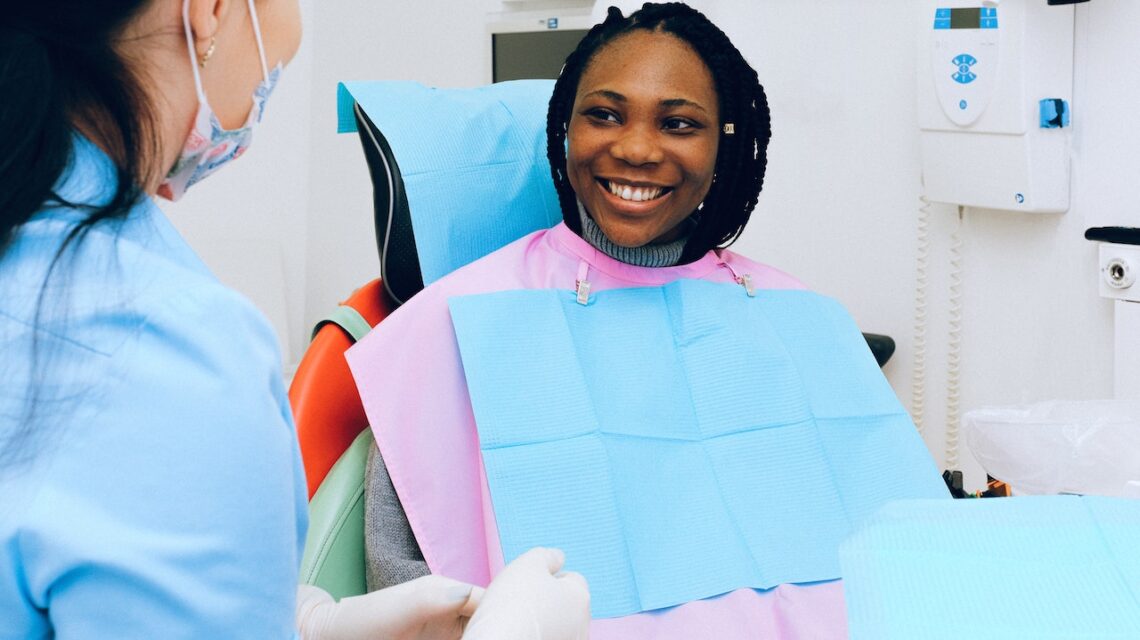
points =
(326, 405)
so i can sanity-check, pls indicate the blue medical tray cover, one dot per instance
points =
(684, 441)
(473, 162)
(1026, 567)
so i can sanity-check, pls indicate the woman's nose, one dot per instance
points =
(637, 146)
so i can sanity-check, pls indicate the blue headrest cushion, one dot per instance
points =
(473, 162)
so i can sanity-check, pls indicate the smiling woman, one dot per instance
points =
(673, 106)
(657, 131)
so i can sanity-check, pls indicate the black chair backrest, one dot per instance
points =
(395, 240)
(883, 347)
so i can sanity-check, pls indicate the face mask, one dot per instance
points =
(209, 146)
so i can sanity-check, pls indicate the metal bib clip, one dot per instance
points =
(582, 285)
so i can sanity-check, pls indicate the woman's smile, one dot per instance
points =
(634, 191)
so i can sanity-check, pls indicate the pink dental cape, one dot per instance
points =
(411, 380)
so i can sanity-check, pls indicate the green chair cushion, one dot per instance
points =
(334, 547)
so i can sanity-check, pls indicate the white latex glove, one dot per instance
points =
(427, 608)
(530, 600)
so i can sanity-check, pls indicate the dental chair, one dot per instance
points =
(334, 439)
(508, 162)
(331, 425)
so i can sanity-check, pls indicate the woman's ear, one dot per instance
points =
(205, 18)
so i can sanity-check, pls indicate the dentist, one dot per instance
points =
(150, 481)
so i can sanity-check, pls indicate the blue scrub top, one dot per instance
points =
(159, 490)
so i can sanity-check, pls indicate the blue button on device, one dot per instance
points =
(942, 13)
(989, 23)
(942, 24)
(1054, 113)
(963, 62)
(552, 23)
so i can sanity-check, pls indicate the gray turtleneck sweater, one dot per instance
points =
(667, 254)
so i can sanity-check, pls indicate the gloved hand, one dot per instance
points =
(530, 600)
(427, 608)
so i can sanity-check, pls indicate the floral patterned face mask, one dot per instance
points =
(209, 145)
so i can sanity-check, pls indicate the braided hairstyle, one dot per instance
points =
(741, 156)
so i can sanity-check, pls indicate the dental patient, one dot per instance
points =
(694, 428)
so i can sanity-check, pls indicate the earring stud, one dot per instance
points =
(729, 128)
(209, 53)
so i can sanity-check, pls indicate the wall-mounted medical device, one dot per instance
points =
(533, 43)
(995, 84)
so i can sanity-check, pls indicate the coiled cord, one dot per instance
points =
(954, 346)
(918, 372)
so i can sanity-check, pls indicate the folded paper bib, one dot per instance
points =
(1028, 567)
(684, 441)
(473, 162)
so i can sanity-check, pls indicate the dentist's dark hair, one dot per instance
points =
(741, 156)
(60, 72)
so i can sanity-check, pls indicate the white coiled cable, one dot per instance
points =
(954, 346)
(918, 373)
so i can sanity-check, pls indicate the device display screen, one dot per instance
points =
(537, 54)
(965, 18)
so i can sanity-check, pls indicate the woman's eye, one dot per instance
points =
(603, 115)
(679, 124)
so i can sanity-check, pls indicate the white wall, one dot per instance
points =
(841, 196)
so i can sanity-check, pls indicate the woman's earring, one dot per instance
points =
(205, 57)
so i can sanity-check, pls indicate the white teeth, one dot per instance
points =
(635, 194)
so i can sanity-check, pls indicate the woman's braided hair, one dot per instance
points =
(741, 156)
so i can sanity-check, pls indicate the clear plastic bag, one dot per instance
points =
(1088, 448)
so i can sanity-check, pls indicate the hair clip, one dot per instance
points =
(729, 128)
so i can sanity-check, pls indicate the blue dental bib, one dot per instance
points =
(684, 441)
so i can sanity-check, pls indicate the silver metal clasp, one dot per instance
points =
(582, 285)
(583, 291)
(746, 281)
(743, 279)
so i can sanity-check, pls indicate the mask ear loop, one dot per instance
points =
(193, 53)
(257, 36)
